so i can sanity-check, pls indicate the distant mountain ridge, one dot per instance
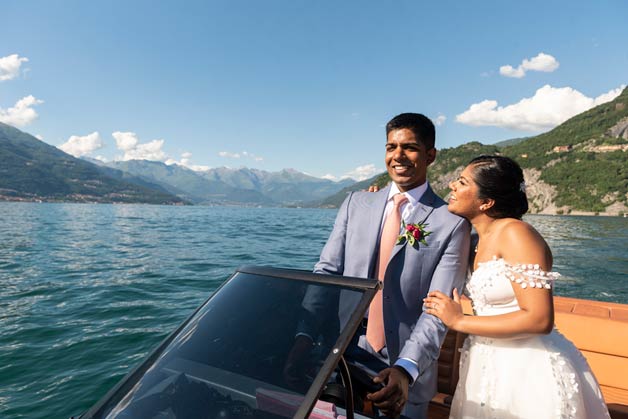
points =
(226, 186)
(288, 186)
(187, 184)
(31, 170)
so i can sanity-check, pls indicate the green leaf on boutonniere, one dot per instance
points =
(413, 234)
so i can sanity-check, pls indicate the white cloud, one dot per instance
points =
(10, 66)
(440, 120)
(363, 172)
(252, 156)
(39, 137)
(246, 154)
(229, 155)
(542, 62)
(147, 151)
(608, 96)
(186, 161)
(82, 145)
(199, 167)
(509, 71)
(22, 113)
(125, 140)
(549, 107)
(134, 150)
(329, 176)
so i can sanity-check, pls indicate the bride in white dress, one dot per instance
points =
(514, 364)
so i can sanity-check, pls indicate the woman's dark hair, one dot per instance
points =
(501, 179)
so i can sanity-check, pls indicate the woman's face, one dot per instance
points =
(463, 200)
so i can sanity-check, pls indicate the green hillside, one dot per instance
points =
(586, 177)
(32, 170)
(336, 199)
(582, 163)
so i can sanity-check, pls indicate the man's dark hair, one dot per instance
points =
(419, 124)
(500, 178)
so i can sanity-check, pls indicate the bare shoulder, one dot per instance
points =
(519, 242)
(511, 228)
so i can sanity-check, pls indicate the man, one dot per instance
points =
(411, 339)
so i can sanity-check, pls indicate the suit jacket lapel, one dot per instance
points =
(374, 225)
(419, 215)
(424, 208)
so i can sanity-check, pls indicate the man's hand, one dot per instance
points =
(393, 397)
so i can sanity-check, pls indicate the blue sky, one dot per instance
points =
(299, 84)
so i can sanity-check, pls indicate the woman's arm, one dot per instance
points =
(519, 244)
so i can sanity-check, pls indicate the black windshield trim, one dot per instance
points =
(345, 281)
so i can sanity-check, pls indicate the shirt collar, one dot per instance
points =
(413, 194)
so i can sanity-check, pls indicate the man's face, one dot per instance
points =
(407, 159)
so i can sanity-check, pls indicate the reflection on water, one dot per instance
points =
(590, 253)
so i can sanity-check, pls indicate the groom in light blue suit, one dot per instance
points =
(407, 365)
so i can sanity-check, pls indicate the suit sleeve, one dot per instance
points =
(423, 345)
(332, 259)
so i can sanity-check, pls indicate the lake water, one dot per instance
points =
(86, 291)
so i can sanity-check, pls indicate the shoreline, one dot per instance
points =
(576, 213)
(581, 214)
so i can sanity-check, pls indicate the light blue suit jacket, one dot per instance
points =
(352, 250)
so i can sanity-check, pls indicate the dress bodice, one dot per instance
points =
(490, 287)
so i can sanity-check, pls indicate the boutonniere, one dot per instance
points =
(413, 234)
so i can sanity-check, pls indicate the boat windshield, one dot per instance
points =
(232, 357)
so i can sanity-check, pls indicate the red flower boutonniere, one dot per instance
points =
(413, 233)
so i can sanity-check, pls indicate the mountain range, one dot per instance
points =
(31, 170)
(227, 186)
(580, 166)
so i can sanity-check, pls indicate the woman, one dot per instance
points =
(514, 364)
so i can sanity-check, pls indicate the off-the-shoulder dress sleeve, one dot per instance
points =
(530, 275)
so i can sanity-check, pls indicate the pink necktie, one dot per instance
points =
(375, 326)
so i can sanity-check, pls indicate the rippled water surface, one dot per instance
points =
(87, 290)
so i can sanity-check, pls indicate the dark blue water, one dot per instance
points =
(87, 290)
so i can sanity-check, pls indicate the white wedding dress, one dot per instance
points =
(535, 377)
